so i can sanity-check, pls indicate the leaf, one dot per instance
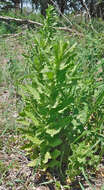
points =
(54, 163)
(55, 154)
(34, 163)
(82, 160)
(82, 116)
(55, 142)
(33, 139)
(47, 157)
(82, 187)
(53, 132)
(100, 98)
(33, 92)
(50, 75)
(73, 47)
(32, 117)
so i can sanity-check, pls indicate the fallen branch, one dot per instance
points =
(33, 23)
(20, 21)
(72, 31)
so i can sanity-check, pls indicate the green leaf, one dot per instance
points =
(32, 117)
(33, 139)
(53, 132)
(82, 160)
(50, 75)
(100, 97)
(54, 163)
(47, 157)
(73, 47)
(83, 114)
(55, 154)
(53, 142)
(33, 92)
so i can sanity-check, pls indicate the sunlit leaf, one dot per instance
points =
(53, 132)
(47, 157)
(33, 163)
(33, 139)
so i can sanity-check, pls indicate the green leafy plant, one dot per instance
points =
(63, 105)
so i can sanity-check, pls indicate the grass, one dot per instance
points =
(13, 163)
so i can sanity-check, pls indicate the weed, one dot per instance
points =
(63, 104)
